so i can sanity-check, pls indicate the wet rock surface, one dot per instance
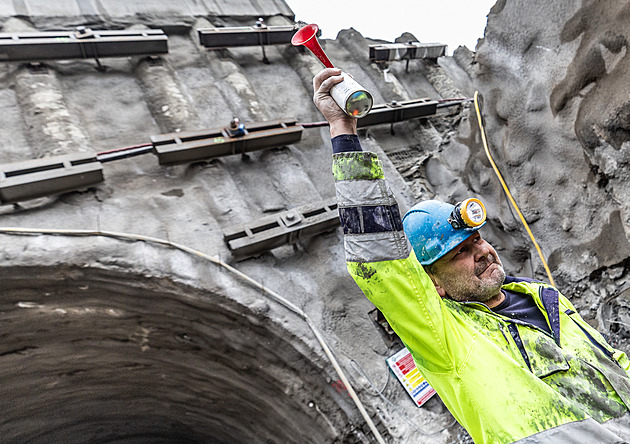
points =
(93, 352)
(552, 84)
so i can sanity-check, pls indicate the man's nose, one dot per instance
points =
(482, 251)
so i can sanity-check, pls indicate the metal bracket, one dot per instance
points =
(260, 25)
(283, 228)
(42, 177)
(399, 112)
(37, 68)
(192, 146)
(83, 43)
(233, 37)
(386, 331)
(406, 51)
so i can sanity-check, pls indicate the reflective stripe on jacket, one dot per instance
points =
(502, 379)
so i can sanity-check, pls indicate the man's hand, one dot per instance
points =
(340, 122)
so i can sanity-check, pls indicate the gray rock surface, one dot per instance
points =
(553, 78)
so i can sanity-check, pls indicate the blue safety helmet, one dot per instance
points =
(434, 228)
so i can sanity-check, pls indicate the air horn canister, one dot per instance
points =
(351, 97)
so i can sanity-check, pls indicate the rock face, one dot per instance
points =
(119, 327)
(178, 364)
(553, 76)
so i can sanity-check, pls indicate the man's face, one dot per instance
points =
(472, 271)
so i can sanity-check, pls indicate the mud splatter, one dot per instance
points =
(357, 165)
(365, 272)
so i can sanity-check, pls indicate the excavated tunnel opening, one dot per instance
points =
(115, 357)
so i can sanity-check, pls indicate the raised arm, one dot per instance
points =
(379, 256)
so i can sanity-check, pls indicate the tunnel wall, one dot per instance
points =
(103, 351)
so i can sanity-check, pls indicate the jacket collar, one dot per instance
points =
(547, 295)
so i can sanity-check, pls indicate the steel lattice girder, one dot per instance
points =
(405, 51)
(398, 112)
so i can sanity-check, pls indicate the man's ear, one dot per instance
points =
(440, 290)
(438, 287)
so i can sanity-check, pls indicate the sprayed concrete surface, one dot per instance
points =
(125, 353)
(116, 339)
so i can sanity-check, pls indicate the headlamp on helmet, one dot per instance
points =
(434, 228)
(469, 213)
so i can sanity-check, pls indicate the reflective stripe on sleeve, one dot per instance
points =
(364, 192)
(376, 247)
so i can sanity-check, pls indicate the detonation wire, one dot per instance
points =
(275, 296)
(127, 148)
(506, 188)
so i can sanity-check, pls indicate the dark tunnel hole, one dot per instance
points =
(112, 357)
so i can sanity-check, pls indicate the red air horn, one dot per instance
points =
(307, 36)
(351, 97)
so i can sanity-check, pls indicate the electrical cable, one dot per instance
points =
(127, 148)
(275, 296)
(505, 187)
(359, 369)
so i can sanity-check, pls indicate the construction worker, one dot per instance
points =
(511, 358)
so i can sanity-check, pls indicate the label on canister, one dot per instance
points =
(351, 97)
(405, 369)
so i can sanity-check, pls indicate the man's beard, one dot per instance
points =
(481, 290)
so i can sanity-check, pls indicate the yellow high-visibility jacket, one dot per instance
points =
(504, 380)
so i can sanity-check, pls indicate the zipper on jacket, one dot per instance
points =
(513, 329)
(503, 333)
